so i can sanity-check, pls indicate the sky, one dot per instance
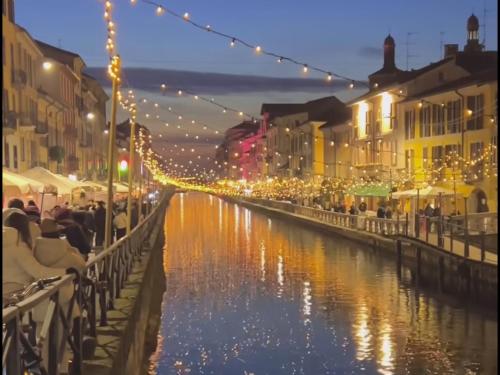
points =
(344, 37)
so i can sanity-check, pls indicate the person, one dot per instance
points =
(19, 266)
(134, 217)
(362, 207)
(53, 251)
(74, 232)
(100, 223)
(352, 210)
(32, 211)
(33, 226)
(388, 213)
(79, 217)
(483, 206)
(342, 208)
(120, 223)
(381, 211)
(16, 203)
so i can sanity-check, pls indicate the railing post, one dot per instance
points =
(53, 336)
(13, 365)
(451, 238)
(483, 245)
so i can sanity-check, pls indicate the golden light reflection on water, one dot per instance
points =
(250, 293)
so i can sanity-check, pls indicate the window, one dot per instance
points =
(437, 119)
(453, 116)
(12, 65)
(476, 105)
(6, 157)
(368, 118)
(3, 50)
(437, 156)
(425, 158)
(425, 122)
(394, 155)
(451, 152)
(410, 124)
(476, 150)
(5, 101)
(23, 156)
(393, 119)
(14, 149)
(410, 160)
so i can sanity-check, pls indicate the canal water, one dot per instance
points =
(249, 294)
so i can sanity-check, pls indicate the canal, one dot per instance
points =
(247, 294)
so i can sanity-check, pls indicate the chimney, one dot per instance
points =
(450, 50)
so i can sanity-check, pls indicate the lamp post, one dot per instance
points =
(130, 172)
(114, 71)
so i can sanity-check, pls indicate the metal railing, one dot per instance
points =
(93, 292)
(448, 233)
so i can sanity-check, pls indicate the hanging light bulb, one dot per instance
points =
(258, 49)
(329, 77)
(179, 92)
(160, 10)
(280, 60)
(233, 42)
(305, 68)
(186, 16)
(351, 85)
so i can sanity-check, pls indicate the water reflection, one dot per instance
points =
(245, 296)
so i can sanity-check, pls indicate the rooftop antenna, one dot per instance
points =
(485, 13)
(408, 44)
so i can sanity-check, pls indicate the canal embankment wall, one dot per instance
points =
(129, 338)
(441, 271)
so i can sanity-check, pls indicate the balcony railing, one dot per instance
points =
(19, 78)
(26, 120)
(42, 128)
(71, 131)
(9, 122)
(94, 291)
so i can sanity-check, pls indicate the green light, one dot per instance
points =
(123, 165)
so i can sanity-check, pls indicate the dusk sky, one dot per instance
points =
(344, 37)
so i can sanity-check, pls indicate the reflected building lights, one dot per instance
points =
(362, 335)
(386, 360)
(262, 262)
(306, 309)
(281, 278)
(181, 203)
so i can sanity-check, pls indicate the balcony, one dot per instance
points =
(86, 141)
(70, 132)
(72, 163)
(9, 123)
(26, 120)
(42, 128)
(19, 78)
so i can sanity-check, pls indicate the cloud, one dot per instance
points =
(370, 52)
(148, 79)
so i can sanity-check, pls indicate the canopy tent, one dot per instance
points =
(120, 187)
(429, 191)
(64, 185)
(370, 191)
(15, 184)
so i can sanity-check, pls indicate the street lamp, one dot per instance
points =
(47, 65)
(90, 116)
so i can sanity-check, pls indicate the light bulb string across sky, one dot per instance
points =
(161, 9)
(179, 116)
(212, 101)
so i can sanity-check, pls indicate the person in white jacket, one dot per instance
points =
(19, 266)
(34, 228)
(53, 251)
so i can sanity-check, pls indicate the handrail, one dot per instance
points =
(94, 288)
(443, 232)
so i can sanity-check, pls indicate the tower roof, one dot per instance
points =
(389, 40)
(472, 23)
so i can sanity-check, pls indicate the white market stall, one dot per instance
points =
(67, 189)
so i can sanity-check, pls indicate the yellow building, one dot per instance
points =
(411, 121)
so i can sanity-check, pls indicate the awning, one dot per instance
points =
(429, 191)
(46, 177)
(369, 191)
(15, 184)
